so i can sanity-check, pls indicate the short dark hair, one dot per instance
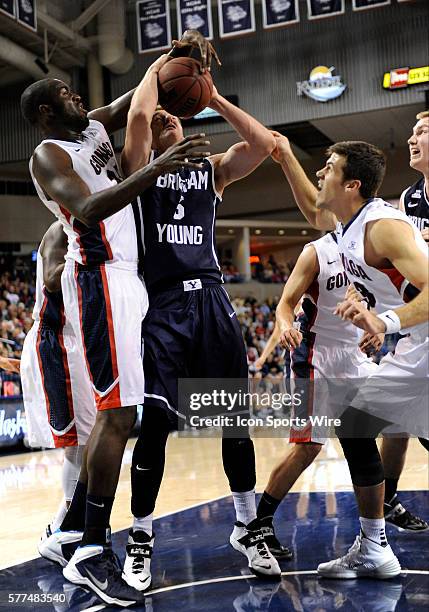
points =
(364, 162)
(40, 92)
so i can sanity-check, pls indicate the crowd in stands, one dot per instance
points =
(267, 270)
(17, 289)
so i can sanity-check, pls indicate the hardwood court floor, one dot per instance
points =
(30, 484)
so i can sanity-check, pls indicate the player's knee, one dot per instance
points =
(118, 421)
(307, 452)
(364, 461)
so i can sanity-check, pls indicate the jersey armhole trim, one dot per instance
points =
(219, 197)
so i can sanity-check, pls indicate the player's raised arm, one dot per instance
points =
(303, 274)
(305, 193)
(244, 157)
(114, 115)
(138, 137)
(53, 169)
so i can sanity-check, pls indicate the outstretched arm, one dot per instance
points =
(303, 274)
(138, 137)
(305, 193)
(54, 172)
(244, 157)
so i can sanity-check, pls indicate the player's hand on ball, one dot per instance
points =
(357, 313)
(371, 342)
(282, 149)
(291, 338)
(193, 44)
(181, 154)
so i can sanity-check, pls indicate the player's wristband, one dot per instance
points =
(391, 321)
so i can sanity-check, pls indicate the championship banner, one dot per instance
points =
(195, 15)
(277, 13)
(362, 5)
(236, 17)
(26, 14)
(318, 9)
(153, 25)
(8, 7)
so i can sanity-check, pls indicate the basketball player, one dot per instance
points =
(414, 200)
(191, 329)
(322, 350)
(76, 176)
(58, 399)
(393, 450)
(381, 250)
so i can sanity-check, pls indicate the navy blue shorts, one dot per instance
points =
(190, 334)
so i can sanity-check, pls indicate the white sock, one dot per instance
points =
(59, 517)
(71, 468)
(143, 523)
(245, 506)
(373, 529)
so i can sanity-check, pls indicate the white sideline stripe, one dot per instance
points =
(232, 579)
(208, 501)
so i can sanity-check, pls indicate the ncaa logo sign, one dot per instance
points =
(321, 86)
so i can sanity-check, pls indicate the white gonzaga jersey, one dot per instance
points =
(113, 239)
(39, 297)
(383, 289)
(319, 302)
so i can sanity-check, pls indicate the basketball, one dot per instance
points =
(183, 90)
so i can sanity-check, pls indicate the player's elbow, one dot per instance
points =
(266, 145)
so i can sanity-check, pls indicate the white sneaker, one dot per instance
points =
(249, 540)
(136, 570)
(364, 559)
(60, 546)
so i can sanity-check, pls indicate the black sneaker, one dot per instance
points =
(277, 550)
(98, 568)
(399, 517)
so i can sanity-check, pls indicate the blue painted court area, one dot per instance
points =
(195, 569)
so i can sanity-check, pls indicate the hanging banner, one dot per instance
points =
(324, 8)
(362, 5)
(195, 15)
(153, 25)
(8, 7)
(26, 13)
(236, 17)
(277, 13)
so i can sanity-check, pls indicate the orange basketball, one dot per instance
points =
(183, 90)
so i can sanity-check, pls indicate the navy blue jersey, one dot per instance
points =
(179, 214)
(416, 204)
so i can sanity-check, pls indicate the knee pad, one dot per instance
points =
(363, 458)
